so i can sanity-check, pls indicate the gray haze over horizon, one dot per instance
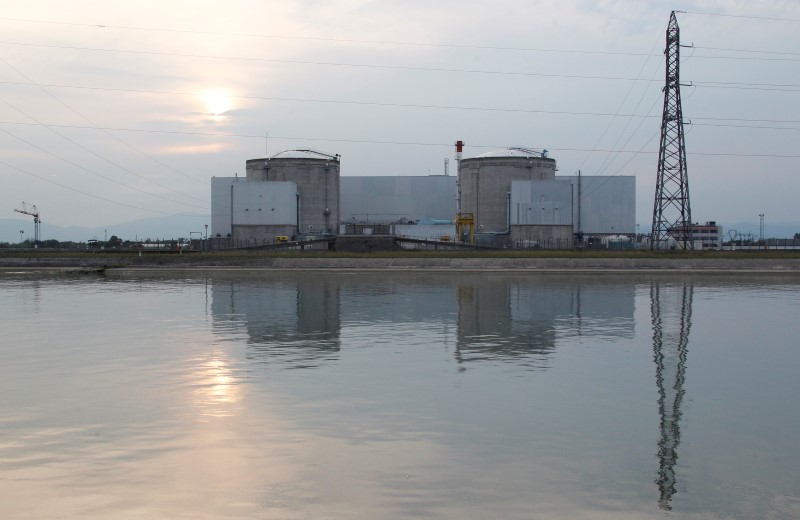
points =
(115, 113)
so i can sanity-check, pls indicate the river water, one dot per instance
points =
(399, 395)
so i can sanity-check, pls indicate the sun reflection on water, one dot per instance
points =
(217, 388)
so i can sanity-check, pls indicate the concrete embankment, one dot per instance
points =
(505, 264)
(513, 264)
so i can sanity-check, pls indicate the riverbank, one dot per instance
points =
(514, 262)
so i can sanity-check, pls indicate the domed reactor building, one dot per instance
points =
(293, 194)
(516, 200)
(485, 191)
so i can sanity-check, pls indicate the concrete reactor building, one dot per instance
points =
(508, 198)
(484, 184)
(294, 193)
(516, 200)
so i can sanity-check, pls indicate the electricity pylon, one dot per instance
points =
(672, 214)
(671, 313)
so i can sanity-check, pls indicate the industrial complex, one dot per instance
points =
(506, 198)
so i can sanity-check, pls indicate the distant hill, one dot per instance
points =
(153, 228)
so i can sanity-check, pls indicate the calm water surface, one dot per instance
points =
(344, 396)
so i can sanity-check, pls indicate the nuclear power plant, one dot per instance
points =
(505, 198)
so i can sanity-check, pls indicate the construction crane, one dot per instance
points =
(30, 209)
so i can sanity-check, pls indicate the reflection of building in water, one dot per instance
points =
(671, 312)
(498, 318)
(297, 319)
(292, 321)
(421, 299)
(487, 328)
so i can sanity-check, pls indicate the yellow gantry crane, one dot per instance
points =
(465, 220)
(30, 209)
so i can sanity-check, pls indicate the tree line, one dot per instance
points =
(114, 242)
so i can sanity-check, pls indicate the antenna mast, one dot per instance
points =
(672, 214)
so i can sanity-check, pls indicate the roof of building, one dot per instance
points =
(514, 151)
(304, 154)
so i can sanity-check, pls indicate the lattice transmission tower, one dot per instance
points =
(672, 214)
(671, 313)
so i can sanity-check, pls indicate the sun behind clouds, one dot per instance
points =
(217, 103)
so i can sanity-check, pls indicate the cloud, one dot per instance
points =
(193, 149)
(554, 53)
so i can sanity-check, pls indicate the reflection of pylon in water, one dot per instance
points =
(672, 214)
(671, 312)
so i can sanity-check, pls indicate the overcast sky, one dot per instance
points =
(116, 111)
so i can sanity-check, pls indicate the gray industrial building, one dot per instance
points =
(517, 200)
(252, 211)
(513, 194)
(293, 193)
(551, 212)
(389, 199)
(540, 213)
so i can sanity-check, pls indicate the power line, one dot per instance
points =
(611, 157)
(741, 58)
(755, 127)
(635, 132)
(392, 105)
(220, 134)
(714, 84)
(624, 99)
(322, 63)
(329, 40)
(749, 17)
(756, 51)
(76, 165)
(49, 152)
(128, 145)
(331, 101)
(703, 84)
(745, 120)
(377, 142)
(745, 84)
(249, 136)
(70, 188)
(633, 156)
(104, 26)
